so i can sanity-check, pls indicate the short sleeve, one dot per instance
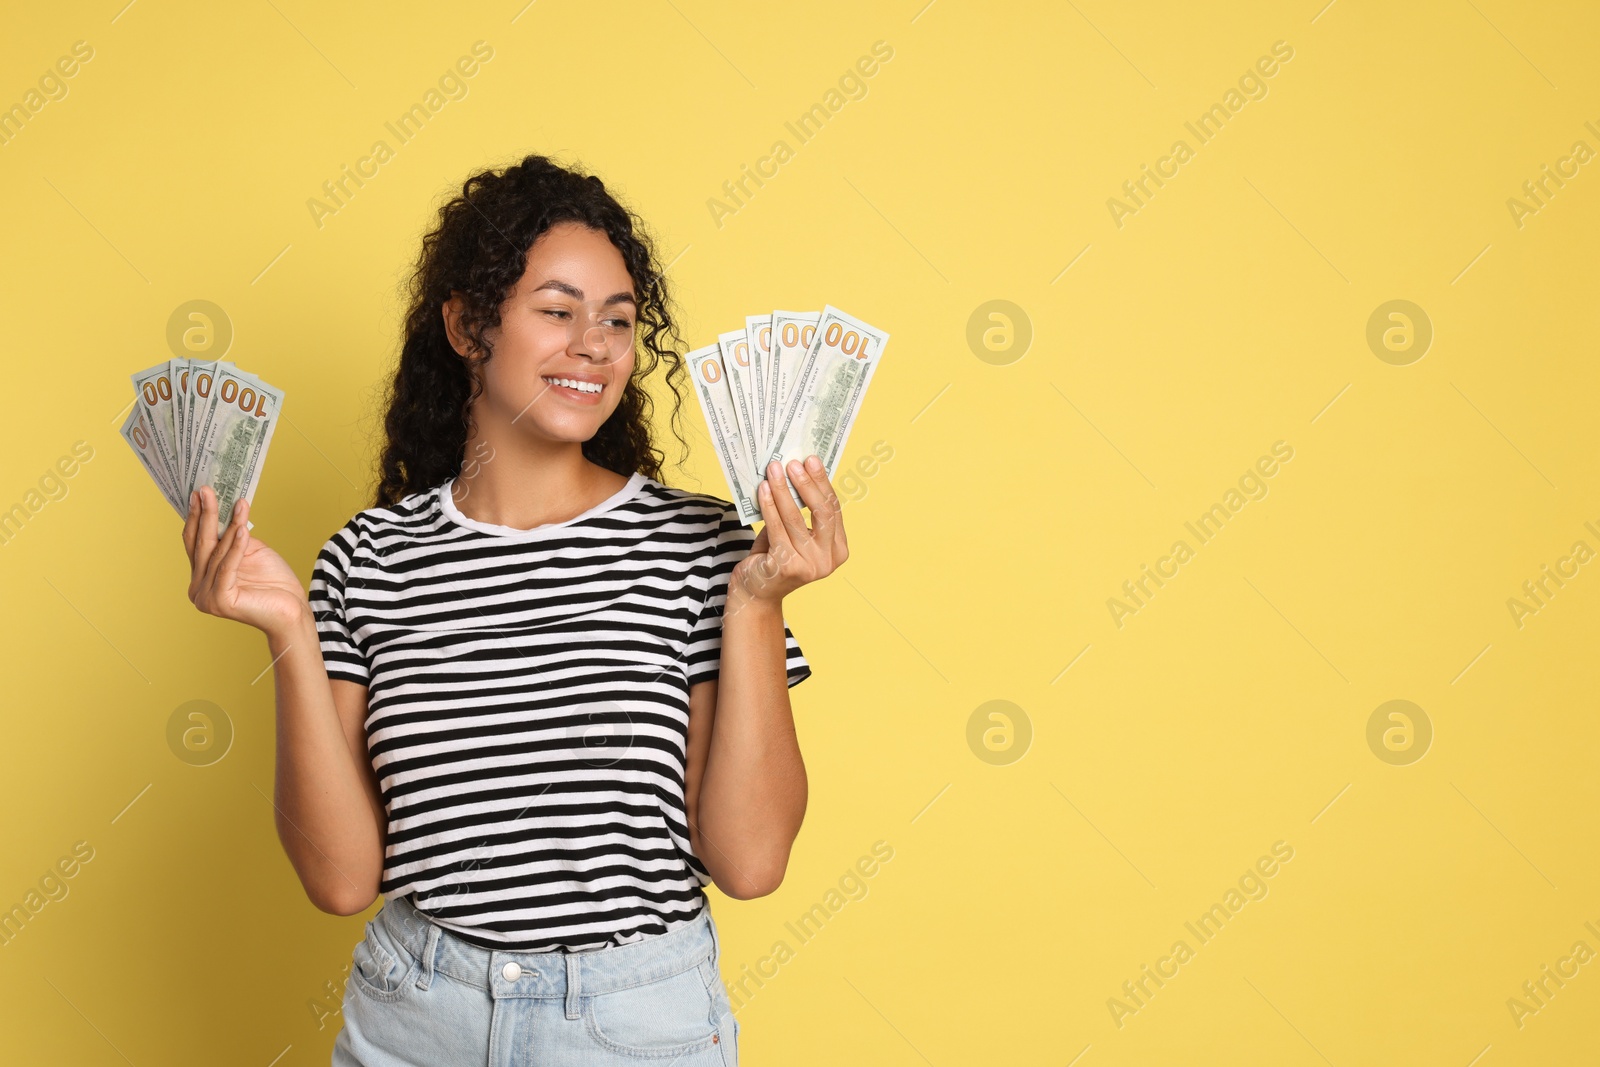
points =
(339, 652)
(731, 544)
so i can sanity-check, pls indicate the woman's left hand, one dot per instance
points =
(786, 553)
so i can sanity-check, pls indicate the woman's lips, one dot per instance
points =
(575, 395)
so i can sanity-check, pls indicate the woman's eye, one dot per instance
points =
(614, 324)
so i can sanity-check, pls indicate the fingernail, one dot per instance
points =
(814, 463)
(796, 469)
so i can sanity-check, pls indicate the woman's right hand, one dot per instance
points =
(237, 577)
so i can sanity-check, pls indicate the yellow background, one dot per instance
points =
(1229, 313)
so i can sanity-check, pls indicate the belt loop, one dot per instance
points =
(716, 941)
(429, 951)
(572, 985)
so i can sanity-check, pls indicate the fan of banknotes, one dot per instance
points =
(785, 387)
(197, 422)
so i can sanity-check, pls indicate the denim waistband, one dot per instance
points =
(569, 975)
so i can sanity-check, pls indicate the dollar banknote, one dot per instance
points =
(136, 431)
(741, 374)
(706, 367)
(191, 392)
(202, 422)
(178, 372)
(153, 392)
(791, 336)
(230, 443)
(758, 330)
(787, 386)
(827, 390)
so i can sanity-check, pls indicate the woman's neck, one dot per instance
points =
(522, 487)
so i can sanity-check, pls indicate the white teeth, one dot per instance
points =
(573, 383)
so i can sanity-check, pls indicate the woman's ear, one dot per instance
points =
(451, 310)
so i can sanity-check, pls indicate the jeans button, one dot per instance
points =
(511, 972)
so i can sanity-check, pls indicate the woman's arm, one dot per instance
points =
(746, 780)
(329, 813)
(748, 792)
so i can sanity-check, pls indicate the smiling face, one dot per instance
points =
(563, 352)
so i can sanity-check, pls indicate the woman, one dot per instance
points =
(535, 698)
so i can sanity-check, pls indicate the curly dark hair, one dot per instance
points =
(479, 249)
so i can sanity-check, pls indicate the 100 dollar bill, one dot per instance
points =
(792, 333)
(230, 444)
(153, 389)
(828, 387)
(136, 431)
(758, 330)
(740, 372)
(711, 386)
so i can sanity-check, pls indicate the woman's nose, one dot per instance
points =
(598, 343)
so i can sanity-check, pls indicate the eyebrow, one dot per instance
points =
(577, 294)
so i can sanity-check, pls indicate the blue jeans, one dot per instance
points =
(419, 996)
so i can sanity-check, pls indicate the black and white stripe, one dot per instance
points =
(528, 705)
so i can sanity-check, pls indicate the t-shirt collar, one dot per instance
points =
(447, 505)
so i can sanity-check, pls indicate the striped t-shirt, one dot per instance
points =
(528, 705)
